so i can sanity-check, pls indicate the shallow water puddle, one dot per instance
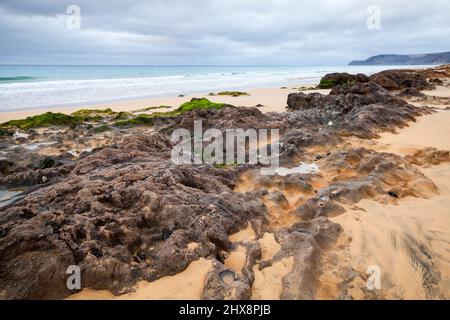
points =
(9, 196)
(302, 168)
(35, 146)
(18, 135)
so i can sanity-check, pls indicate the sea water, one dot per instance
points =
(23, 87)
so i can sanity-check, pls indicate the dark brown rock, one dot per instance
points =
(400, 79)
(334, 79)
(114, 205)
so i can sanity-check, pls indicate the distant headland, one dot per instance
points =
(403, 59)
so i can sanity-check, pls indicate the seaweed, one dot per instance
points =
(147, 119)
(43, 120)
(233, 93)
(152, 108)
(329, 84)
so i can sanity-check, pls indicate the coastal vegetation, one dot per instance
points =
(329, 84)
(93, 112)
(122, 118)
(44, 120)
(147, 119)
(60, 119)
(151, 108)
(232, 93)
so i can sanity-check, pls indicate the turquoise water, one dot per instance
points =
(24, 87)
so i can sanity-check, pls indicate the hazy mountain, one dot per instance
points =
(403, 59)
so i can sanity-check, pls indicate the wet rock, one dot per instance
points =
(6, 167)
(303, 243)
(411, 92)
(336, 79)
(225, 284)
(400, 79)
(436, 82)
(120, 201)
(323, 230)
(361, 173)
(360, 110)
(6, 133)
(3, 232)
(46, 163)
(228, 117)
(317, 207)
(393, 194)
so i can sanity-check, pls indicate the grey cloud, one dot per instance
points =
(215, 32)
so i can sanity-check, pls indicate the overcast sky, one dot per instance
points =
(326, 32)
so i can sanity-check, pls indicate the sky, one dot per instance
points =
(212, 32)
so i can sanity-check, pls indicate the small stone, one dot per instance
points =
(393, 194)
(96, 252)
(2, 232)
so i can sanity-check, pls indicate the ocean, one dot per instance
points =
(24, 87)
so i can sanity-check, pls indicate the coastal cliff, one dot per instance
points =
(401, 59)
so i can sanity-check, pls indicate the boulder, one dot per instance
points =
(334, 79)
(400, 79)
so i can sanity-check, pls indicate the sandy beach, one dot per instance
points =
(397, 237)
(365, 186)
(271, 99)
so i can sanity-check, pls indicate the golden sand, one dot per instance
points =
(187, 284)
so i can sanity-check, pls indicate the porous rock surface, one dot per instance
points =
(124, 212)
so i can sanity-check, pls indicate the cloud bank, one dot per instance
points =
(328, 32)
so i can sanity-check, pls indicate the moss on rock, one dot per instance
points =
(147, 119)
(233, 93)
(44, 120)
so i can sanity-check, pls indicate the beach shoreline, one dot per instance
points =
(271, 99)
(105, 189)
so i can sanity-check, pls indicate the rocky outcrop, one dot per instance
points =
(401, 79)
(410, 92)
(358, 110)
(335, 79)
(122, 214)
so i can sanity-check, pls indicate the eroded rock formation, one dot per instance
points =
(123, 212)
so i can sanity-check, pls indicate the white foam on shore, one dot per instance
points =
(61, 92)
(18, 135)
